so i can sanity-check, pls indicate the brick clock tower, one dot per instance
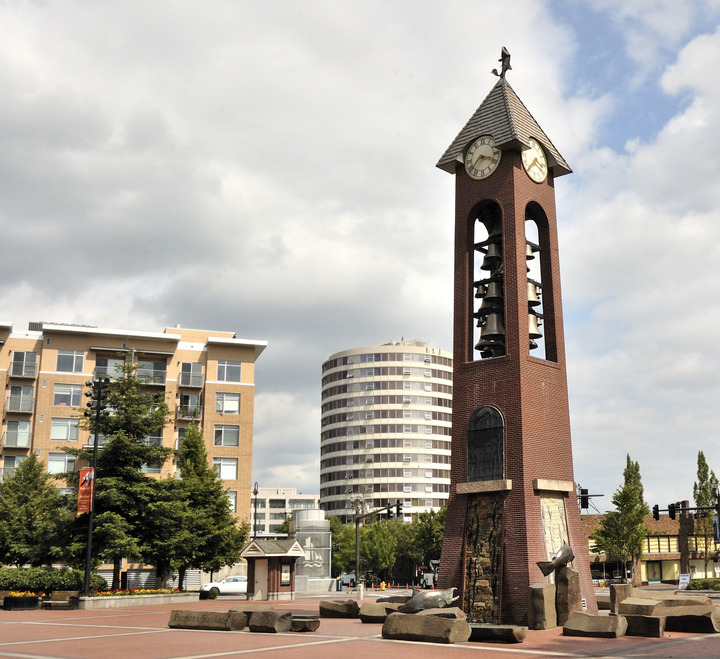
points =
(512, 499)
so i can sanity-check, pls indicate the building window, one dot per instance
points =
(154, 439)
(278, 504)
(60, 463)
(485, 449)
(109, 367)
(227, 435)
(68, 395)
(24, 365)
(64, 430)
(17, 434)
(191, 374)
(10, 463)
(190, 406)
(70, 361)
(232, 498)
(227, 403)
(228, 371)
(20, 399)
(227, 468)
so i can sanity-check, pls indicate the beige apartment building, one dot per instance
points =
(206, 376)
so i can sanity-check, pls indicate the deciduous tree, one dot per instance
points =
(705, 493)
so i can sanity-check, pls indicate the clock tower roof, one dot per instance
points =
(504, 116)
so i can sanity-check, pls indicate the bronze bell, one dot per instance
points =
(533, 296)
(533, 345)
(481, 290)
(494, 292)
(493, 257)
(493, 327)
(529, 252)
(533, 322)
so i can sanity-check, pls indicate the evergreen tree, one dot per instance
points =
(705, 493)
(211, 535)
(32, 517)
(622, 531)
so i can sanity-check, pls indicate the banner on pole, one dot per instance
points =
(85, 490)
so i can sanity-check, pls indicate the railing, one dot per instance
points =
(191, 380)
(189, 412)
(23, 370)
(152, 375)
(19, 404)
(16, 439)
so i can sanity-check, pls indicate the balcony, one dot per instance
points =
(15, 439)
(189, 412)
(20, 404)
(152, 376)
(23, 370)
(193, 380)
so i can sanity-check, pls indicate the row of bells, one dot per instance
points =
(490, 313)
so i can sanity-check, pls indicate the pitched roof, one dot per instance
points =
(504, 116)
(259, 548)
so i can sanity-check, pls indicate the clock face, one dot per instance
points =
(535, 162)
(482, 158)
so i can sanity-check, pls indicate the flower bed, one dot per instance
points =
(136, 597)
(21, 600)
(134, 591)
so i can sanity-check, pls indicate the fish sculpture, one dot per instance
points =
(428, 599)
(563, 557)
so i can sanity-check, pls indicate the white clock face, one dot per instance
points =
(535, 162)
(482, 158)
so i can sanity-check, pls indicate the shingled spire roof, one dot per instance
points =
(504, 116)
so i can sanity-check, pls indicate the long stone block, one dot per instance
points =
(650, 626)
(449, 612)
(339, 609)
(497, 633)
(270, 622)
(708, 623)
(210, 620)
(426, 629)
(638, 606)
(376, 612)
(618, 593)
(586, 624)
(303, 623)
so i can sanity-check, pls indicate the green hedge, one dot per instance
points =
(47, 579)
(704, 584)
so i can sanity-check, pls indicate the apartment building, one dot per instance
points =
(206, 376)
(386, 422)
(275, 505)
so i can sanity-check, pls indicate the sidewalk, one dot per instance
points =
(142, 633)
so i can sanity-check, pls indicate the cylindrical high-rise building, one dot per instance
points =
(386, 419)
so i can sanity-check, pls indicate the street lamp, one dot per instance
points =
(358, 505)
(256, 491)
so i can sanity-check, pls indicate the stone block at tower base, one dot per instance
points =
(426, 629)
(586, 624)
(338, 609)
(541, 611)
(485, 632)
(649, 626)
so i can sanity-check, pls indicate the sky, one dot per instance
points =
(268, 167)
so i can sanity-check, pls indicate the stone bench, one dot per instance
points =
(339, 609)
(425, 628)
(230, 621)
(486, 632)
(270, 622)
(62, 599)
(304, 623)
(589, 625)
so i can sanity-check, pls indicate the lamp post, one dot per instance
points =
(256, 491)
(358, 505)
(98, 394)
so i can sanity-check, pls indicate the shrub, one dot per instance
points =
(47, 579)
(704, 584)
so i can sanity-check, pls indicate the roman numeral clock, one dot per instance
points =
(512, 500)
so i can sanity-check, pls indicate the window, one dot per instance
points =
(189, 406)
(70, 361)
(24, 365)
(227, 435)
(68, 395)
(17, 434)
(10, 462)
(228, 371)
(278, 504)
(155, 438)
(227, 468)
(227, 403)
(191, 374)
(152, 372)
(109, 367)
(20, 399)
(232, 498)
(64, 430)
(59, 463)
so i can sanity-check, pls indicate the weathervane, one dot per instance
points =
(504, 63)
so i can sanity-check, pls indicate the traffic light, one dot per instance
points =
(98, 393)
(671, 510)
(584, 498)
(656, 512)
(398, 509)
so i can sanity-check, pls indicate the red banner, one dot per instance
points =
(85, 490)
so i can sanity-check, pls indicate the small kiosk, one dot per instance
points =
(271, 568)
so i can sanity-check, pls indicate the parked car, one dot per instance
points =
(228, 586)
